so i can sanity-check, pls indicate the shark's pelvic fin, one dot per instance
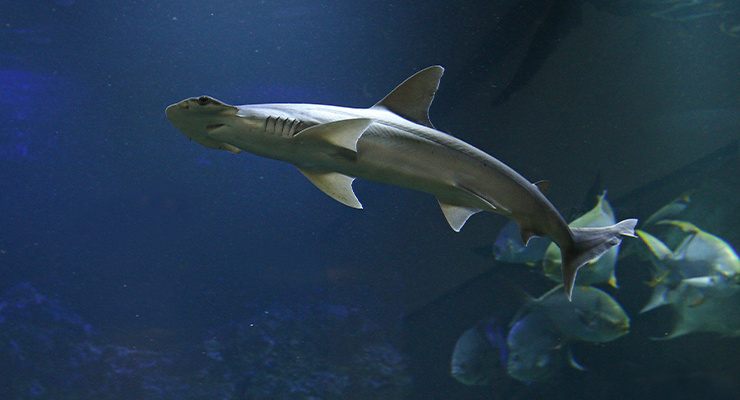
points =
(343, 133)
(456, 215)
(336, 185)
(412, 98)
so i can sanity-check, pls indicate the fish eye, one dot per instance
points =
(203, 100)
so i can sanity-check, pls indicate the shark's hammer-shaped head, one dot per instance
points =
(196, 117)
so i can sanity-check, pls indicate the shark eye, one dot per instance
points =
(203, 100)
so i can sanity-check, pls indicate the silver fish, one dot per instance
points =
(592, 316)
(537, 351)
(702, 265)
(509, 247)
(480, 354)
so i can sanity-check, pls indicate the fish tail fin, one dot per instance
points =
(589, 244)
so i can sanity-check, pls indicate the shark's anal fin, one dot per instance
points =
(343, 133)
(336, 185)
(457, 215)
(412, 98)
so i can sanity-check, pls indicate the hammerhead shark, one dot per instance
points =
(394, 142)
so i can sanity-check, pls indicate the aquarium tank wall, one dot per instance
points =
(369, 200)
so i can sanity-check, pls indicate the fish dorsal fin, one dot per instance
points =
(526, 235)
(412, 98)
(343, 133)
(603, 203)
(682, 326)
(572, 361)
(336, 185)
(657, 299)
(613, 281)
(543, 186)
(657, 248)
(457, 215)
(685, 226)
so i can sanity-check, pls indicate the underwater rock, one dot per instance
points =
(43, 342)
(287, 351)
(292, 351)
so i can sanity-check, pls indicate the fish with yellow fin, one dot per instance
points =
(702, 266)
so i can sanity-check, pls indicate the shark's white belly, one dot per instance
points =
(396, 151)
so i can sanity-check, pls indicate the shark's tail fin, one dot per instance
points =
(589, 244)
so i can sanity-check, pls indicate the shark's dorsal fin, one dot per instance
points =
(412, 98)
(343, 133)
(336, 185)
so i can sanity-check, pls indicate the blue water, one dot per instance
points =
(139, 264)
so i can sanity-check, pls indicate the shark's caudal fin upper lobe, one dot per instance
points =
(589, 244)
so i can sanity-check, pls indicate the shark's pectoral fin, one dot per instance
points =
(343, 133)
(456, 215)
(228, 147)
(215, 139)
(336, 185)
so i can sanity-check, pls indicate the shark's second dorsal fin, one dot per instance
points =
(412, 98)
(543, 186)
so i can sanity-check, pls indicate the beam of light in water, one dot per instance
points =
(29, 104)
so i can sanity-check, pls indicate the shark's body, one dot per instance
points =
(393, 142)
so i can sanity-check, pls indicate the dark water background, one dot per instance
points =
(156, 242)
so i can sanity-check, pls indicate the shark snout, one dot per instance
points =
(173, 108)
